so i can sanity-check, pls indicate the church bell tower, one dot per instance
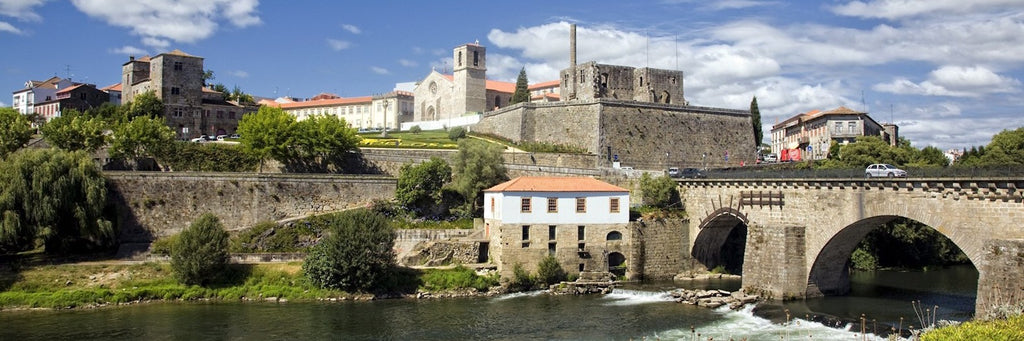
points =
(470, 78)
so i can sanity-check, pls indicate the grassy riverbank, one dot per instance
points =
(1011, 328)
(100, 284)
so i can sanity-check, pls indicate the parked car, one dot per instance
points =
(234, 136)
(673, 172)
(771, 158)
(198, 140)
(884, 170)
(692, 173)
(221, 137)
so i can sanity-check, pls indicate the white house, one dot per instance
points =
(582, 222)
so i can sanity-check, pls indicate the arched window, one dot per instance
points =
(614, 235)
(497, 101)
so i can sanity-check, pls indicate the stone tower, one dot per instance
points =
(132, 73)
(470, 79)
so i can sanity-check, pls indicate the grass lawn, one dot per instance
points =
(434, 139)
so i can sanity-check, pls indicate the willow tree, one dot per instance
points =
(54, 196)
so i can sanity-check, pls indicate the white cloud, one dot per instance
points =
(953, 81)
(379, 70)
(239, 74)
(129, 50)
(5, 27)
(338, 45)
(897, 9)
(738, 4)
(407, 63)
(3, 105)
(351, 28)
(21, 9)
(958, 132)
(159, 22)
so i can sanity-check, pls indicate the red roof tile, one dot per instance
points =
(327, 102)
(555, 184)
(506, 87)
(112, 87)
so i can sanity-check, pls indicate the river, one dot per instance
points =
(634, 312)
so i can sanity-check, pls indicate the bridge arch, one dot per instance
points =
(721, 240)
(829, 273)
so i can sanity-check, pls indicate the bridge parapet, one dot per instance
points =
(993, 189)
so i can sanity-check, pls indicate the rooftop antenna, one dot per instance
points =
(863, 105)
(67, 71)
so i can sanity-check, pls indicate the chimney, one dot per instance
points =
(131, 58)
(572, 45)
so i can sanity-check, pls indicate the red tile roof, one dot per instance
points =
(507, 87)
(326, 102)
(548, 84)
(555, 184)
(72, 87)
(112, 87)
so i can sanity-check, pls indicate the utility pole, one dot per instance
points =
(385, 133)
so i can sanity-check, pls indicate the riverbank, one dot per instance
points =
(93, 285)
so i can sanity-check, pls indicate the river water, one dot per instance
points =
(635, 312)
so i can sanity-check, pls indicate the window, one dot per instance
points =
(551, 249)
(525, 203)
(551, 232)
(853, 127)
(839, 127)
(492, 205)
(581, 205)
(231, 115)
(220, 113)
(175, 91)
(614, 235)
(580, 232)
(526, 236)
(179, 112)
(459, 59)
(476, 58)
(614, 203)
(178, 66)
(552, 205)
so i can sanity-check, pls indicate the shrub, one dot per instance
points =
(355, 254)
(550, 272)
(415, 129)
(521, 279)
(659, 192)
(266, 236)
(1009, 329)
(457, 278)
(201, 252)
(456, 133)
(163, 245)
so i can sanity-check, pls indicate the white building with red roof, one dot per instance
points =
(583, 222)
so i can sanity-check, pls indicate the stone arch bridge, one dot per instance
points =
(801, 232)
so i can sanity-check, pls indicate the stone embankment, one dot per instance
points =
(713, 298)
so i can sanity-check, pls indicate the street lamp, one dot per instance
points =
(385, 133)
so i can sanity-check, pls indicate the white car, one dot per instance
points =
(884, 170)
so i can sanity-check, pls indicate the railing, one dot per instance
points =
(945, 172)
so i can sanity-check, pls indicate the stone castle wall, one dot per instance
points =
(153, 205)
(642, 135)
(663, 246)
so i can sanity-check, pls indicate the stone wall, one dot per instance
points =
(390, 161)
(663, 246)
(152, 205)
(642, 135)
(773, 263)
(508, 248)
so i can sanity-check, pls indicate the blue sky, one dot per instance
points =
(947, 71)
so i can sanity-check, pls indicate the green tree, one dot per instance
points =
(140, 138)
(223, 90)
(207, 77)
(200, 254)
(550, 272)
(420, 186)
(75, 131)
(755, 118)
(55, 196)
(868, 150)
(322, 140)
(522, 93)
(929, 157)
(355, 255)
(269, 132)
(477, 166)
(15, 131)
(659, 191)
(146, 104)
(241, 97)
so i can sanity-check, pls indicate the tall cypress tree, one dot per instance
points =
(522, 93)
(755, 118)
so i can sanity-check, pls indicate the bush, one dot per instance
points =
(355, 255)
(550, 272)
(521, 279)
(457, 278)
(163, 245)
(456, 133)
(415, 129)
(1009, 329)
(659, 192)
(266, 236)
(201, 252)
